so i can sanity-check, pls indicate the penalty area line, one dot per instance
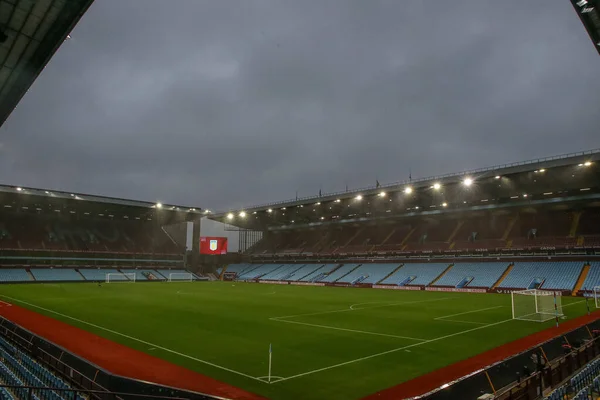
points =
(138, 340)
(392, 351)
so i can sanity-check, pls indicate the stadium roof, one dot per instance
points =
(17, 194)
(568, 177)
(30, 33)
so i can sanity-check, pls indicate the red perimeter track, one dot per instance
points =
(124, 361)
(119, 359)
(433, 380)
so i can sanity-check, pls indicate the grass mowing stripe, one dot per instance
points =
(363, 308)
(347, 330)
(137, 340)
(392, 351)
(467, 312)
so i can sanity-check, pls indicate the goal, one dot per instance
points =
(536, 305)
(120, 277)
(597, 296)
(181, 277)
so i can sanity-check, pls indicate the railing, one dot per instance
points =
(33, 392)
(413, 181)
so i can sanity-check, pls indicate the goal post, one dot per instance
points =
(181, 277)
(536, 305)
(597, 296)
(120, 277)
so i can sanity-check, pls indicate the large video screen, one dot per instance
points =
(213, 245)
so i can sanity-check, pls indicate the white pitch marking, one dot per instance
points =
(467, 312)
(5, 303)
(348, 330)
(463, 322)
(393, 350)
(363, 308)
(136, 339)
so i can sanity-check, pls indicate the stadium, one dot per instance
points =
(481, 284)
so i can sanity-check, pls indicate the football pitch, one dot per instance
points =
(327, 342)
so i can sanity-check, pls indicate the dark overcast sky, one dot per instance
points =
(225, 103)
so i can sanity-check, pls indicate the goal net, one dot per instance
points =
(120, 277)
(180, 277)
(536, 305)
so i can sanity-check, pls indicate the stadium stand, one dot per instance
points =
(369, 273)
(99, 275)
(303, 271)
(543, 275)
(17, 368)
(54, 274)
(144, 274)
(473, 275)
(338, 273)
(319, 272)
(416, 274)
(14, 275)
(593, 277)
(259, 271)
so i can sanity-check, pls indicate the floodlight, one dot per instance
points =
(270, 210)
(19, 189)
(543, 170)
(359, 197)
(381, 194)
(158, 205)
(437, 186)
(318, 203)
(408, 190)
(498, 177)
(230, 216)
(468, 182)
(338, 200)
(444, 204)
(322, 218)
(587, 163)
(242, 214)
(283, 208)
(525, 195)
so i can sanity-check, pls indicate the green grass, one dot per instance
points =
(231, 325)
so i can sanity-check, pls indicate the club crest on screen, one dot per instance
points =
(213, 245)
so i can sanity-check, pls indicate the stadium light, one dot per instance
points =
(359, 197)
(230, 216)
(158, 205)
(381, 194)
(270, 210)
(498, 177)
(318, 203)
(436, 186)
(283, 208)
(242, 214)
(322, 218)
(543, 170)
(468, 182)
(587, 163)
(525, 195)
(444, 204)
(408, 190)
(19, 189)
(338, 200)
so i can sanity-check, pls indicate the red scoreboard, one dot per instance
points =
(213, 245)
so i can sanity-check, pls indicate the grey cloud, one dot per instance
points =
(229, 103)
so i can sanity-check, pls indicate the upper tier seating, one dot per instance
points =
(38, 232)
(554, 275)
(372, 273)
(424, 273)
(483, 274)
(56, 274)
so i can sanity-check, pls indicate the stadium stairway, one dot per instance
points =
(223, 272)
(79, 272)
(441, 275)
(575, 224)
(347, 273)
(408, 235)
(503, 276)
(388, 237)
(391, 273)
(582, 276)
(459, 225)
(509, 228)
(30, 274)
